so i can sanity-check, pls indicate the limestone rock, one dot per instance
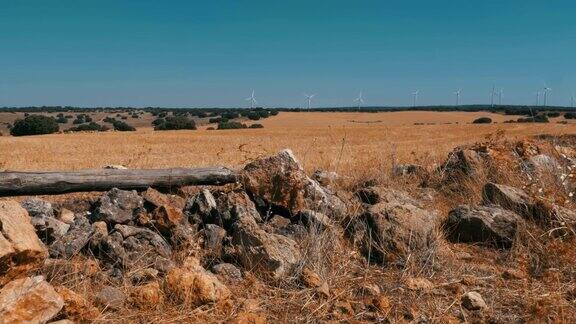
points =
(281, 181)
(489, 225)
(118, 206)
(394, 228)
(29, 300)
(20, 249)
(195, 286)
(272, 254)
(473, 301)
(42, 216)
(76, 307)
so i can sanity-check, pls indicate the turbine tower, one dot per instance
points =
(537, 98)
(546, 89)
(359, 100)
(457, 93)
(415, 97)
(492, 95)
(252, 100)
(309, 99)
(572, 101)
(500, 93)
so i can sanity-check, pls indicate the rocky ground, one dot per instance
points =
(488, 236)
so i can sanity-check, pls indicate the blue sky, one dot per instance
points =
(213, 53)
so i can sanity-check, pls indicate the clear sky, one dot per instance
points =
(213, 53)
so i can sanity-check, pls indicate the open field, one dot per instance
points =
(346, 142)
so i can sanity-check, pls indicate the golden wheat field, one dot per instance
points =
(349, 143)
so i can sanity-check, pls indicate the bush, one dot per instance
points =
(274, 113)
(158, 121)
(553, 114)
(175, 123)
(61, 120)
(253, 115)
(92, 126)
(535, 119)
(231, 125)
(482, 120)
(109, 119)
(256, 126)
(570, 115)
(215, 120)
(122, 126)
(34, 125)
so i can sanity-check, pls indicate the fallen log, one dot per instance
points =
(51, 183)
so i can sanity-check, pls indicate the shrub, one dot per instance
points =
(215, 120)
(253, 115)
(124, 117)
(175, 123)
(122, 126)
(34, 125)
(109, 119)
(256, 126)
(92, 126)
(482, 120)
(570, 115)
(274, 112)
(553, 114)
(535, 119)
(158, 121)
(69, 116)
(231, 125)
(135, 115)
(210, 128)
(61, 120)
(78, 121)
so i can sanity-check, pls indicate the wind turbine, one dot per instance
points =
(572, 101)
(309, 98)
(360, 100)
(252, 100)
(457, 93)
(492, 95)
(500, 93)
(415, 94)
(537, 98)
(546, 89)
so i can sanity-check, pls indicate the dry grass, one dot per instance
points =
(360, 147)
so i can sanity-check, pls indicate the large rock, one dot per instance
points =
(193, 285)
(43, 218)
(214, 239)
(280, 181)
(29, 300)
(118, 206)
(76, 307)
(463, 161)
(510, 198)
(130, 247)
(394, 228)
(271, 254)
(110, 297)
(202, 208)
(75, 240)
(20, 249)
(489, 225)
(559, 220)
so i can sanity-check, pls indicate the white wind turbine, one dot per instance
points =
(457, 93)
(546, 89)
(500, 93)
(537, 98)
(572, 101)
(252, 100)
(415, 97)
(359, 100)
(309, 99)
(492, 95)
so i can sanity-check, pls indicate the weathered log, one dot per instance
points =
(48, 183)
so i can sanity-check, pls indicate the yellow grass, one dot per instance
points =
(335, 141)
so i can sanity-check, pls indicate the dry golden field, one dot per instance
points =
(349, 143)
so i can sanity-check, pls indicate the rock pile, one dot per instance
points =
(254, 225)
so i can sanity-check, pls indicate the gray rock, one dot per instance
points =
(130, 247)
(75, 239)
(489, 225)
(110, 297)
(202, 205)
(46, 225)
(370, 195)
(38, 208)
(233, 206)
(463, 161)
(395, 228)
(270, 254)
(315, 220)
(543, 164)
(99, 232)
(118, 206)
(510, 198)
(214, 239)
(473, 301)
(228, 271)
